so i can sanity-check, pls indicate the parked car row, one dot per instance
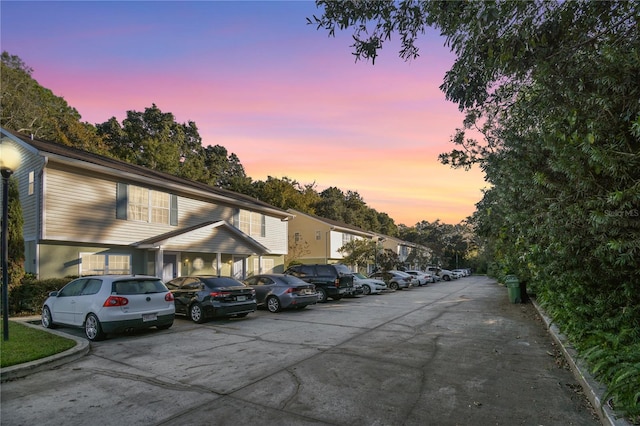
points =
(462, 272)
(117, 303)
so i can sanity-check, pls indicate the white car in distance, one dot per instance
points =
(370, 285)
(421, 277)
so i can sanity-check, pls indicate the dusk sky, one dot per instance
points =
(286, 98)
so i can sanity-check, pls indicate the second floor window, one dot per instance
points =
(148, 205)
(347, 238)
(32, 182)
(251, 223)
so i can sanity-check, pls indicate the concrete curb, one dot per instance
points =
(593, 389)
(81, 348)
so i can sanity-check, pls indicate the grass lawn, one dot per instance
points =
(27, 344)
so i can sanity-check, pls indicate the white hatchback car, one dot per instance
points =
(110, 304)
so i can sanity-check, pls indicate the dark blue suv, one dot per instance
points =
(334, 281)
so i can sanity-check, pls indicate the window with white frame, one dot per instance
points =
(267, 266)
(147, 205)
(103, 264)
(244, 221)
(347, 238)
(159, 207)
(251, 223)
(32, 182)
(318, 235)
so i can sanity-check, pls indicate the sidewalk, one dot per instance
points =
(592, 388)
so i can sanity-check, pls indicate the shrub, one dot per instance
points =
(27, 297)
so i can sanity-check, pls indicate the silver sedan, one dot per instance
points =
(279, 291)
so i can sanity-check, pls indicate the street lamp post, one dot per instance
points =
(9, 162)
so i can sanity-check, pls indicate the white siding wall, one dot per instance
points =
(276, 234)
(193, 212)
(335, 242)
(82, 208)
(30, 162)
(218, 240)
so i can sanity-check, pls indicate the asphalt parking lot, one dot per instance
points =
(451, 353)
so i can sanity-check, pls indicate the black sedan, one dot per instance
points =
(208, 296)
(278, 291)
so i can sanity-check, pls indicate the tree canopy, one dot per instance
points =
(153, 138)
(552, 90)
(27, 107)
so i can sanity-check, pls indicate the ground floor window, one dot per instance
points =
(267, 266)
(103, 264)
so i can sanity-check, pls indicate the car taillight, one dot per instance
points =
(169, 297)
(337, 282)
(219, 293)
(116, 301)
(290, 290)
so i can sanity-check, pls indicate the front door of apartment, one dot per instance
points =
(169, 267)
(238, 268)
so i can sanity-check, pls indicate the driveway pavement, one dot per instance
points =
(451, 353)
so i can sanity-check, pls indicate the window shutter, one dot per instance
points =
(263, 225)
(121, 201)
(173, 212)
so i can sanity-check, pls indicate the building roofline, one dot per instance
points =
(62, 154)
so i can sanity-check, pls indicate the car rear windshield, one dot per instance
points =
(290, 279)
(138, 287)
(343, 269)
(222, 282)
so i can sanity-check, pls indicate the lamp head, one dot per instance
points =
(9, 157)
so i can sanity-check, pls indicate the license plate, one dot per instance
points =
(149, 317)
(241, 298)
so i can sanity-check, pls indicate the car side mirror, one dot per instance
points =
(53, 294)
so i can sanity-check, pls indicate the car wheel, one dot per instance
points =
(93, 329)
(446, 278)
(273, 304)
(366, 289)
(164, 326)
(47, 320)
(196, 314)
(393, 286)
(322, 295)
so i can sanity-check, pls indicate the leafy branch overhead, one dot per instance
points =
(550, 94)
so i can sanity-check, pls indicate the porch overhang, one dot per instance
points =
(212, 236)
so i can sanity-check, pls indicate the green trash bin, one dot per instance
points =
(513, 287)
